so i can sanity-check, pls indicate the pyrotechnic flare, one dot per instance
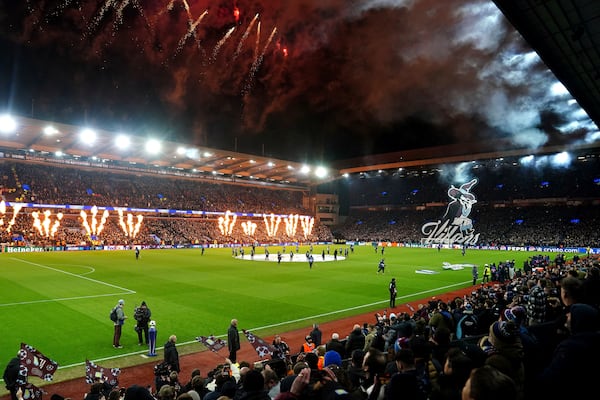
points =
(291, 224)
(44, 227)
(227, 223)
(307, 224)
(271, 224)
(249, 228)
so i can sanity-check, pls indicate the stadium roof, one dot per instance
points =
(72, 144)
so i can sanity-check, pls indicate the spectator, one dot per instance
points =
(487, 383)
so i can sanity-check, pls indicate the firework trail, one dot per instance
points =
(221, 43)
(256, 64)
(244, 37)
(61, 8)
(257, 41)
(187, 8)
(96, 20)
(118, 6)
(191, 32)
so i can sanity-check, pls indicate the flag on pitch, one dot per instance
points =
(94, 372)
(212, 343)
(32, 392)
(33, 362)
(262, 348)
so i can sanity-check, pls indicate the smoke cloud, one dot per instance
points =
(338, 78)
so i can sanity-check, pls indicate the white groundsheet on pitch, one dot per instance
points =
(286, 258)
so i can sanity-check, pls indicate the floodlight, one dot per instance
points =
(305, 169)
(87, 136)
(122, 142)
(153, 146)
(50, 130)
(7, 124)
(321, 172)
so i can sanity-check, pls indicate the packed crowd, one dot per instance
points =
(506, 181)
(559, 226)
(43, 184)
(535, 224)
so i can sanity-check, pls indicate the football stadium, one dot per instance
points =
(461, 268)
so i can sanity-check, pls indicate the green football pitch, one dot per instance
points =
(59, 302)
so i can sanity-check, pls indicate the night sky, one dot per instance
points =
(301, 80)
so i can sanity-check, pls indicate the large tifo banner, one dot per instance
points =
(455, 227)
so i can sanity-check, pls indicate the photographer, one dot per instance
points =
(142, 316)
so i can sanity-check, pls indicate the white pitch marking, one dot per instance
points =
(124, 290)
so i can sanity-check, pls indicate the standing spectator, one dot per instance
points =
(405, 383)
(591, 287)
(308, 345)
(487, 383)
(281, 349)
(356, 340)
(233, 340)
(335, 344)
(393, 292)
(575, 359)
(486, 274)
(457, 369)
(11, 373)
(152, 339)
(121, 317)
(142, 316)
(171, 354)
(355, 372)
(316, 335)
(475, 274)
(468, 326)
(536, 304)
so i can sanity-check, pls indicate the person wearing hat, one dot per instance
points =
(332, 357)
(142, 316)
(486, 274)
(468, 325)
(121, 317)
(504, 347)
(308, 345)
